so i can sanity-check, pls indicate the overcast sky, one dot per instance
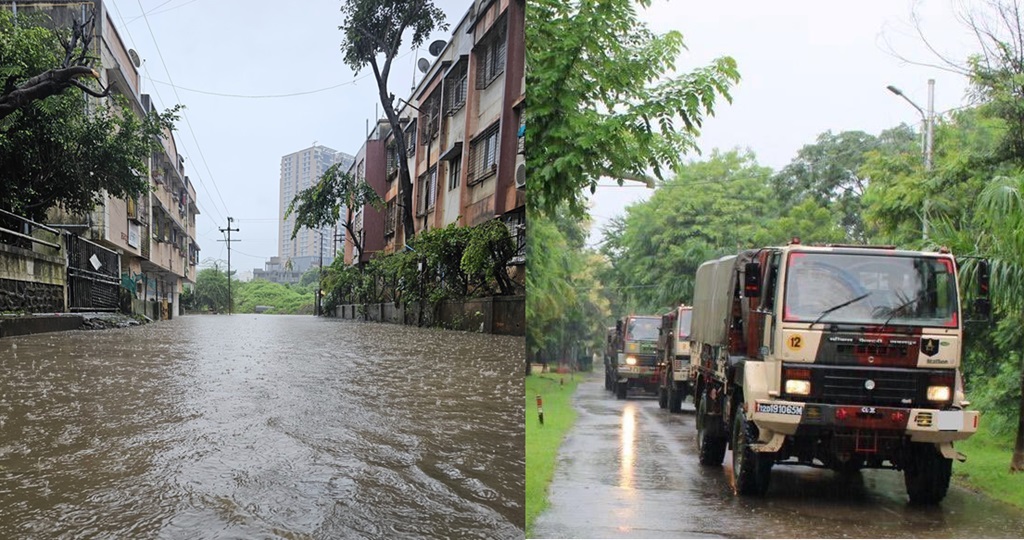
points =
(233, 145)
(807, 67)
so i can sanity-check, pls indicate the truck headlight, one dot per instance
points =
(938, 393)
(798, 387)
(631, 360)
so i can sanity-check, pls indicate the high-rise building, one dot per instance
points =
(299, 171)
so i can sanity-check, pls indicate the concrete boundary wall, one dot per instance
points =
(505, 315)
(31, 282)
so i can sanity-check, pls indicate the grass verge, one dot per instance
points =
(987, 469)
(543, 441)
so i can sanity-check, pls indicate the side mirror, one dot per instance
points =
(752, 280)
(983, 278)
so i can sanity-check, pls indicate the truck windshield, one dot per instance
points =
(871, 289)
(683, 324)
(642, 329)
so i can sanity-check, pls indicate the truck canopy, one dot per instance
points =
(713, 295)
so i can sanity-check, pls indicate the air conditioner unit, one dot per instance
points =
(520, 171)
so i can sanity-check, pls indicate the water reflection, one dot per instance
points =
(261, 426)
(627, 472)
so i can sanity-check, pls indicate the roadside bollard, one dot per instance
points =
(540, 410)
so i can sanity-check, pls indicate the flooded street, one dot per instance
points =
(629, 470)
(256, 426)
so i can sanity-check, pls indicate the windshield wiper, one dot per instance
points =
(838, 306)
(904, 305)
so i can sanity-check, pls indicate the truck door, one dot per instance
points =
(769, 294)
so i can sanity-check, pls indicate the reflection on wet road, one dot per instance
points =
(629, 470)
(261, 426)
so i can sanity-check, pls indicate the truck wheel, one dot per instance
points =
(620, 390)
(676, 395)
(607, 381)
(663, 393)
(926, 474)
(751, 470)
(710, 450)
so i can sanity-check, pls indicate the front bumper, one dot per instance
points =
(637, 372)
(921, 425)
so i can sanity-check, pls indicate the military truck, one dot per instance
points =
(675, 372)
(842, 357)
(636, 358)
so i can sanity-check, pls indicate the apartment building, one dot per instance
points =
(463, 126)
(300, 170)
(154, 234)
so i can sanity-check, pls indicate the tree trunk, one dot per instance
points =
(1017, 462)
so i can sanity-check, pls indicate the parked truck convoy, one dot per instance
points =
(840, 357)
(675, 371)
(631, 361)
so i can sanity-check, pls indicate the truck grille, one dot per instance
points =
(892, 387)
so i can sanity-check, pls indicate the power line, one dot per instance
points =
(155, 12)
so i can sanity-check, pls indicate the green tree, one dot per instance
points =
(711, 208)
(828, 173)
(601, 103)
(373, 30)
(320, 204)
(56, 152)
(211, 291)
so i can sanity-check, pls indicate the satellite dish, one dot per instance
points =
(423, 64)
(135, 57)
(436, 47)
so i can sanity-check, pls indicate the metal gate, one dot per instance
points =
(94, 276)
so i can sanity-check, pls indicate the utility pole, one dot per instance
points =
(320, 277)
(229, 240)
(928, 121)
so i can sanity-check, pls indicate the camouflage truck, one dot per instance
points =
(842, 357)
(675, 371)
(636, 359)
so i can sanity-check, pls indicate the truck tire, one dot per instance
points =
(607, 380)
(751, 470)
(620, 389)
(926, 474)
(710, 449)
(663, 391)
(676, 395)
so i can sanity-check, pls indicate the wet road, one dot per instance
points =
(629, 470)
(257, 426)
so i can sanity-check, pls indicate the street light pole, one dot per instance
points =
(928, 121)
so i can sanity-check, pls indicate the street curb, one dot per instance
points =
(37, 324)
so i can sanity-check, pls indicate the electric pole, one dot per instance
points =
(317, 308)
(229, 240)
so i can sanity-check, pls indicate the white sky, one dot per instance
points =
(233, 145)
(807, 67)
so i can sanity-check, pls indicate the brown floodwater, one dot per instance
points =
(259, 426)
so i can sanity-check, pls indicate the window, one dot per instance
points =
(390, 216)
(483, 155)
(431, 110)
(454, 171)
(392, 156)
(410, 139)
(490, 55)
(426, 192)
(455, 87)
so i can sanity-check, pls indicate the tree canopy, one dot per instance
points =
(320, 205)
(603, 102)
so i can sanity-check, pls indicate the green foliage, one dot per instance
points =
(450, 263)
(711, 208)
(60, 151)
(600, 101)
(828, 173)
(543, 442)
(211, 291)
(281, 298)
(320, 204)
(376, 27)
(565, 303)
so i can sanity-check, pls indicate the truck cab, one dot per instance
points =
(844, 357)
(636, 356)
(676, 373)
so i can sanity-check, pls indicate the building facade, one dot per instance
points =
(463, 127)
(154, 234)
